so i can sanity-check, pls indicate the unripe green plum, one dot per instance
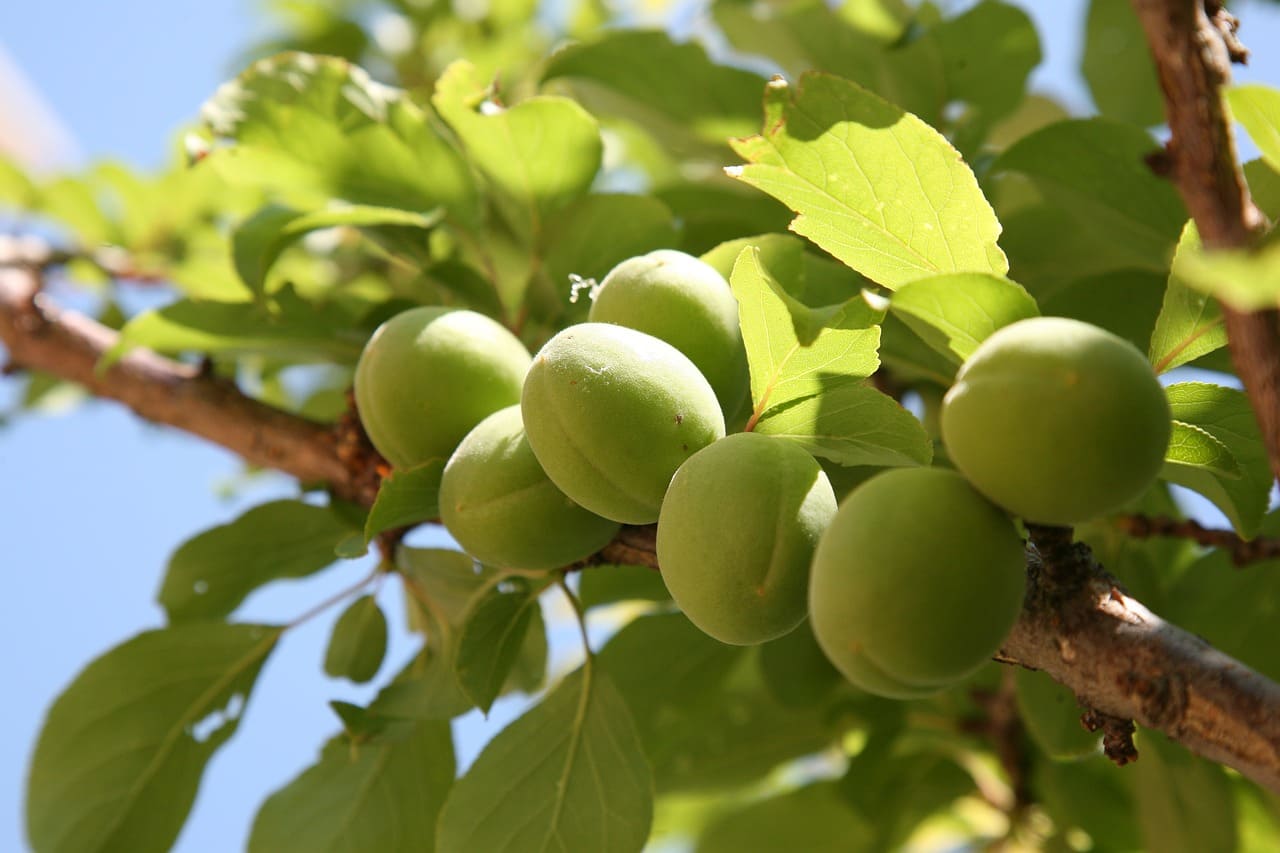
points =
(916, 582)
(688, 304)
(430, 374)
(1052, 716)
(611, 413)
(501, 507)
(736, 536)
(1057, 421)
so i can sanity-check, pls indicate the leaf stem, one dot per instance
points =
(340, 596)
(582, 621)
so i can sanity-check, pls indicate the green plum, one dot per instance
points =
(1057, 421)
(430, 374)
(916, 582)
(736, 535)
(611, 413)
(688, 304)
(501, 507)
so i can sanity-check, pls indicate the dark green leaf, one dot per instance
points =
(426, 689)
(1124, 302)
(851, 425)
(874, 186)
(319, 128)
(796, 670)
(1185, 803)
(210, 574)
(568, 775)
(715, 211)
(1258, 109)
(358, 642)
(537, 156)
(954, 313)
(815, 819)
(491, 638)
(409, 496)
(1118, 67)
(874, 786)
(1092, 795)
(1051, 715)
(650, 69)
(384, 794)
(609, 584)
(1226, 415)
(123, 747)
(987, 53)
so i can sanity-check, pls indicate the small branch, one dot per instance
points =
(1193, 48)
(1125, 662)
(1242, 551)
(1117, 735)
(68, 345)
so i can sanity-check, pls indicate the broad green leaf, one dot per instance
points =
(874, 186)
(815, 819)
(1226, 415)
(123, 748)
(988, 53)
(384, 794)
(1125, 302)
(358, 642)
(568, 775)
(1245, 279)
(1258, 109)
(875, 782)
(954, 313)
(1193, 450)
(851, 425)
(1264, 186)
(286, 327)
(1185, 803)
(537, 155)
(781, 254)
(426, 689)
(711, 212)
(491, 638)
(1090, 795)
(1190, 322)
(661, 663)
(409, 496)
(319, 128)
(1097, 196)
(1117, 65)
(210, 574)
(782, 368)
(257, 242)
(911, 358)
(796, 670)
(609, 584)
(648, 68)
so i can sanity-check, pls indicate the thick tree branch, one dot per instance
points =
(68, 345)
(1121, 659)
(1193, 50)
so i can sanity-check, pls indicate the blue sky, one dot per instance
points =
(94, 502)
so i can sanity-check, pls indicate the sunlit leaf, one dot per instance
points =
(1257, 107)
(954, 313)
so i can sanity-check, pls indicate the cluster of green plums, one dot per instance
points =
(911, 582)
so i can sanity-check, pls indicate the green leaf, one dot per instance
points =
(874, 786)
(988, 53)
(955, 313)
(1185, 803)
(568, 775)
(1092, 796)
(1117, 65)
(537, 156)
(257, 242)
(1226, 415)
(408, 497)
(711, 212)
(210, 574)
(287, 327)
(1192, 450)
(851, 425)
(380, 795)
(609, 584)
(1245, 279)
(782, 368)
(426, 689)
(491, 638)
(725, 102)
(1258, 109)
(358, 642)
(815, 819)
(874, 186)
(1264, 185)
(319, 128)
(911, 358)
(122, 749)
(796, 669)
(1190, 322)
(1125, 302)
(1098, 195)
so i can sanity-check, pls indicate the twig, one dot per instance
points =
(1242, 551)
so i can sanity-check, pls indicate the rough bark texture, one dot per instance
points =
(1193, 44)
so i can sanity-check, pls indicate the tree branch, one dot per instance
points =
(1121, 659)
(1193, 50)
(1242, 551)
(68, 345)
